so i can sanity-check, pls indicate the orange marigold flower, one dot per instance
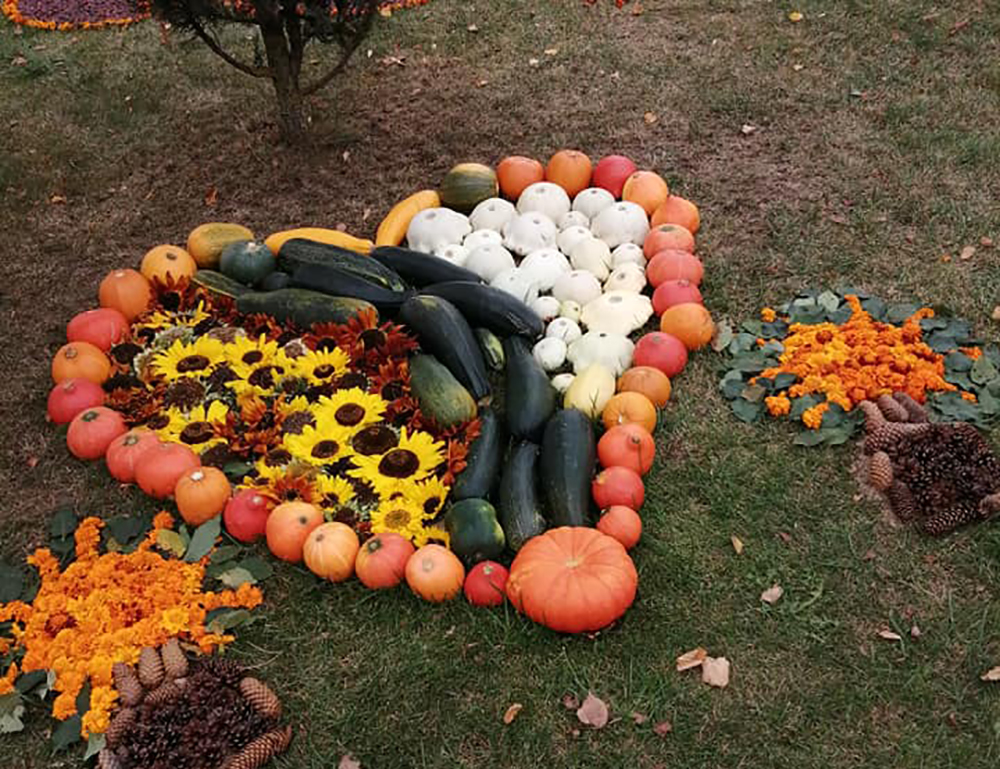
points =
(768, 315)
(813, 417)
(7, 682)
(778, 405)
(971, 397)
(973, 352)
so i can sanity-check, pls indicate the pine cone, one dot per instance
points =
(261, 750)
(915, 411)
(166, 692)
(874, 418)
(950, 519)
(127, 683)
(891, 433)
(892, 409)
(227, 671)
(175, 662)
(259, 695)
(150, 667)
(108, 760)
(880, 471)
(990, 505)
(901, 501)
(121, 723)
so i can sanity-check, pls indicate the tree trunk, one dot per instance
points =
(284, 76)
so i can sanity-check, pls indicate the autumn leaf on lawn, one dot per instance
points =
(691, 659)
(512, 712)
(737, 544)
(993, 674)
(638, 718)
(663, 728)
(715, 672)
(570, 702)
(772, 594)
(650, 118)
(795, 16)
(888, 635)
(593, 712)
(348, 762)
(212, 196)
(967, 253)
(995, 315)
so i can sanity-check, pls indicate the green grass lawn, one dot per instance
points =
(859, 145)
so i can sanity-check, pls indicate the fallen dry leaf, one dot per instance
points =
(570, 702)
(888, 635)
(482, 83)
(915, 632)
(593, 712)
(773, 594)
(511, 713)
(958, 26)
(18, 61)
(715, 672)
(993, 674)
(795, 16)
(638, 718)
(57, 198)
(967, 253)
(746, 129)
(785, 536)
(348, 762)
(637, 9)
(650, 118)
(995, 315)
(691, 659)
(211, 196)
(663, 728)
(550, 51)
(868, 556)
(946, 258)
(986, 242)
(32, 461)
(838, 218)
(798, 67)
(472, 28)
(737, 544)
(532, 62)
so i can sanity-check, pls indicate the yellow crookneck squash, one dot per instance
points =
(393, 228)
(320, 235)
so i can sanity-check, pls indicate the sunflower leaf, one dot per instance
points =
(63, 524)
(258, 567)
(829, 301)
(11, 710)
(203, 539)
(11, 582)
(95, 744)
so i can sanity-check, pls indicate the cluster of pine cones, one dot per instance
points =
(940, 476)
(176, 714)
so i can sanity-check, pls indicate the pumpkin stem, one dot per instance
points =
(197, 475)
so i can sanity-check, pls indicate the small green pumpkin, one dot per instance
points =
(466, 185)
(247, 261)
(475, 533)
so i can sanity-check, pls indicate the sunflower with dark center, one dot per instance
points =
(352, 409)
(374, 439)
(320, 445)
(289, 486)
(334, 492)
(184, 394)
(244, 354)
(321, 365)
(198, 428)
(414, 458)
(399, 516)
(188, 359)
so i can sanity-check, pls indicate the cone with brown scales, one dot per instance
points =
(259, 695)
(260, 751)
(123, 720)
(175, 663)
(892, 409)
(914, 410)
(130, 690)
(880, 471)
(166, 692)
(150, 667)
(106, 759)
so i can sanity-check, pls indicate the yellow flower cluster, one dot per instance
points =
(855, 361)
(103, 608)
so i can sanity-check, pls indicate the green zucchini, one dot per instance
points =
(518, 505)
(491, 348)
(482, 464)
(218, 283)
(443, 332)
(497, 310)
(275, 280)
(474, 532)
(299, 251)
(302, 307)
(441, 396)
(569, 456)
(328, 279)
(421, 269)
(531, 398)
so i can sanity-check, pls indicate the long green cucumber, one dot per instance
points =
(302, 307)
(419, 268)
(530, 396)
(482, 464)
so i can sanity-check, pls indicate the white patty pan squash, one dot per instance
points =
(562, 382)
(570, 309)
(624, 222)
(613, 351)
(516, 283)
(591, 201)
(592, 255)
(546, 307)
(478, 238)
(578, 286)
(453, 253)
(492, 214)
(573, 219)
(545, 198)
(617, 312)
(545, 266)
(529, 232)
(590, 390)
(628, 253)
(550, 353)
(434, 228)
(570, 236)
(489, 261)
(626, 277)
(564, 328)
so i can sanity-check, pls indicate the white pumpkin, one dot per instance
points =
(492, 214)
(489, 261)
(529, 232)
(571, 236)
(579, 286)
(628, 253)
(546, 307)
(617, 312)
(550, 353)
(516, 283)
(570, 309)
(546, 198)
(562, 382)
(573, 219)
(454, 253)
(434, 228)
(624, 222)
(478, 238)
(612, 351)
(564, 328)
(592, 255)
(545, 266)
(626, 277)
(592, 201)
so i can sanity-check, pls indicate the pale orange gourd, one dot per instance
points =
(201, 494)
(571, 170)
(665, 237)
(677, 210)
(166, 263)
(647, 189)
(80, 360)
(674, 264)
(628, 446)
(330, 551)
(648, 381)
(126, 291)
(690, 322)
(622, 523)
(288, 526)
(435, 574)
(630, 408)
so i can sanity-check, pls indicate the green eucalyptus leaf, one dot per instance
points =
(225, 553)
(95, 744)
(742, 342)
(67, 733)
(731, 384)
(753, 326)
(258, 567)
(897, 313)
(227, 620)
(203, 539)
(958, 362)
(747, 411)
(27, 682)
(754, 393)
(236, 576)
(809, 438)
(802, 403)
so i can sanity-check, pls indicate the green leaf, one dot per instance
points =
(958, 379)
(775, 330)
(773, 347)
(989, 403)
(236, 471)
(731, 384)
(833, 416)
(203, 539)
(11, 711)
(807, 315)
(897, 313)
(983, 371)
(754, 393)
(225, 553)
(95, 744)
(236, 576)
(799, 405)
(83, 698)
(753, 326)
(723, 336)
(67, 733)
(227, 620)
(26, 682)
(63, 524)
(751, 362)
(170, 541)
(957, 361)
(260, 568)
(747, 411)
(875, 307)
(784, 381)
(829, 301)
(11, 582)
(125, 528)
(743, 342)
(809, 438)
(835, 436)
(841, 316)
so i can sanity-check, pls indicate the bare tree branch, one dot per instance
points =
(211, 41)
(337, 69)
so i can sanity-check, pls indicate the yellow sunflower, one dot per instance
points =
(187, 359)
(197, 428)
(430, 494)
(160, 320)
(321, 365)
(289, 485)
(413, 459)
(289, 405)
(321, 445)
(399, 516)
(353, 408)
(244, 354)
(262, 378)
(426, 533)
(334, 491)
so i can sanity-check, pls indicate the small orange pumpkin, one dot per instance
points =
(630, 408)
(125, 451)
(648, 381)
(646, 188)
(103, 328)
(92, 431)
(158, 469)
(202, 494)
(435, 574)
(628, 446)
(664, 237)
(516, 172)
(80, 360)
(330, 551)
(690, 322)
(381, 561)
(622, 523)
(677, 210)
(126, 291)
(288, 526)
(165, 263)
(674, 264)
(571, 170)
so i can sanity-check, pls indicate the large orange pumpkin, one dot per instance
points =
(102, 328)
(435, 574)
(674, 264)
(628, 446)
(381, 561)
(690, 322)
(573, 579)
(570, 169)
(125, 451)
(201, 494)
(672, 292)
(629, 408)
(622, 523)
(648, 381)
(330, 551)
(677, 210)
(288, 526)
(92, 431)
(157, 470)
(126, 291)
(516, 172)
(165, 263)
(647, 189)
(665, 237)
(80, 360)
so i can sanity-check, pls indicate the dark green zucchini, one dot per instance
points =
(218, 283)
(275, 280)
(302, 307)
(491, 347)
(569, 456)
(299, 251)
(482, 465)
(328, 279)
(419, 268)
(530, 396)
(497, 310)
(444, 332)
(518, 505)
(439, 394)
